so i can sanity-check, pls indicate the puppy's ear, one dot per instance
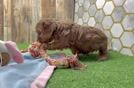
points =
(39, 27)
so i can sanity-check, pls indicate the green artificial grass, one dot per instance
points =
(116, 72)
(22, 45)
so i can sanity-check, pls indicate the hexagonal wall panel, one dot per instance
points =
(107, 22)
(129, 6)
(86, 5)
(118, 14)
(116, 44)
(108, 34)
(92, 1)
(75, 18)
(80, 12)
(118, 2)
(76, 1)
(85, 24)
(114, 17)
(128, 22)
(133, 48)
(91, 22)
(116, 30)
(80, 21)
(99, 26)
(100, 3)
(126, 51)
(92, 10)
(80, 2)
(85, 17)
(108, 8)
(127, 39)
(99, 16)
(76, 7)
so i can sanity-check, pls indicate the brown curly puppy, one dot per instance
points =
(80, 39)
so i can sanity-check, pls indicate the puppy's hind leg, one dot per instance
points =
(102, 53)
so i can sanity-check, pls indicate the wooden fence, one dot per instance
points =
(19, 17)
(1, 19)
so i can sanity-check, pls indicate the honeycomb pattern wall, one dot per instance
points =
(114, 17)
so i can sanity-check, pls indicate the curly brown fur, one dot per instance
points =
(80, 39)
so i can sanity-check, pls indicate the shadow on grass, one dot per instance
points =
(93, 57)
(88, 57)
